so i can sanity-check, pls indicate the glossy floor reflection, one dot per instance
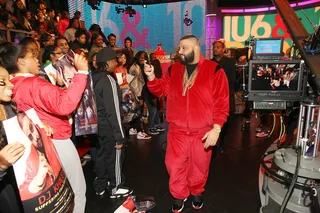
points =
(232, 186)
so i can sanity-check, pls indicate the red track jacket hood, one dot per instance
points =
(205, 104)
(52, 104)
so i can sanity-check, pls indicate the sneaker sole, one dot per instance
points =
(143, 138)
(262, 136)
(197, 207)
(153, 133)
(132, 134)
(120, 196)
(101, 193)
(180, 210)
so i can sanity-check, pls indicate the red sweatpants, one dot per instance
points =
(187, 163)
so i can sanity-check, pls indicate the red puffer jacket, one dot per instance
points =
(52, 104)
(205, 104)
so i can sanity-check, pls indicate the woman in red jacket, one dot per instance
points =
(53, 106)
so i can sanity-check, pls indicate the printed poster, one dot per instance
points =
(85, 117)
(42, 183)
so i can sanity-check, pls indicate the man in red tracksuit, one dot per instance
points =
(197, 107)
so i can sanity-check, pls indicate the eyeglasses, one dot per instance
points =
(57, 53)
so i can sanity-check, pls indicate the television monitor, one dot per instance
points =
(275, 80)
(270, 48)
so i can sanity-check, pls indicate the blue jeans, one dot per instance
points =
(153, 109)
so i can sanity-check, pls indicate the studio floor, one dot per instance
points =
(232, 185)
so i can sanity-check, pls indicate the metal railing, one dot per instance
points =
(8, 33)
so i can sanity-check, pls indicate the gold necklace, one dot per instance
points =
(188, 82)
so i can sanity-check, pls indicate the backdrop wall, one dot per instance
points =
(161, 23)
(238, 28)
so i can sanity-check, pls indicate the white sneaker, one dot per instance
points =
(121, 192)
(143, 136)
(132, 131)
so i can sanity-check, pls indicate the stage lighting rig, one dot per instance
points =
(130, 11)
(186, 20)
(94, 4)
(127, 10)
(119, 10)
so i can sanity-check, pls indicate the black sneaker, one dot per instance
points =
(197, 202)
(158, 128)
(121, 192)
(153, 131)
(178, 205)
(101, 191)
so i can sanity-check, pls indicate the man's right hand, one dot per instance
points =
(149, 71)
(81, 62)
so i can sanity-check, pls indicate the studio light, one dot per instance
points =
(143, 3)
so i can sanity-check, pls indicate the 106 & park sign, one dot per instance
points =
(238, 29)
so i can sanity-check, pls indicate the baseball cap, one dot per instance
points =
(106, 54)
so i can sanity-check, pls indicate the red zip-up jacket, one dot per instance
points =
(205, 104)
(52, 104)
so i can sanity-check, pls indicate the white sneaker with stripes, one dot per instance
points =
(121, 192)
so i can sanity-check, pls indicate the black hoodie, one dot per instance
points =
(108, 101)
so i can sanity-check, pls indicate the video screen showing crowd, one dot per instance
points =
(275, 76)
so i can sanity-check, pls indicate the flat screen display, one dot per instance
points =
(268, 47)
(279, 76)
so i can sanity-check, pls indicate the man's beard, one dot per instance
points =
(187, 59)
(217, 54)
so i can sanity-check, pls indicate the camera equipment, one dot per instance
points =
(290, 176)
(290, 181)
(272, 83)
